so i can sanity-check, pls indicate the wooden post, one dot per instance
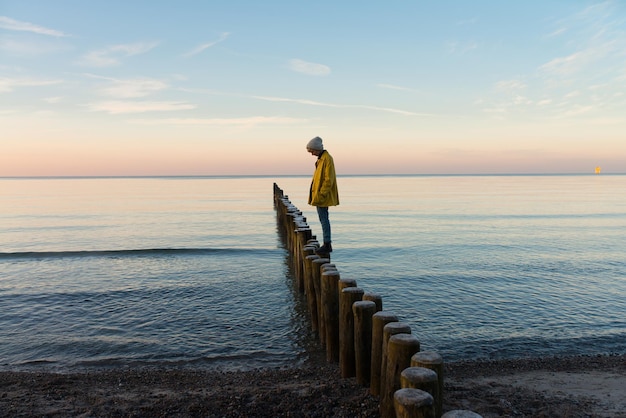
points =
(348, 296)
(400, 348)
(317, 284)
(293, 220)
(389, 329)
(377, 299)
(363, 311)
(461, 413)
(330, 305)
(423, 379)
(307, 250)
(303, 232)
(343, 283)
(413, 403)
(328, 266)
(313, 242)
(310, 290)
(433, 361)
(379, 320)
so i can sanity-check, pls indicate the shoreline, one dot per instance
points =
(577, 386)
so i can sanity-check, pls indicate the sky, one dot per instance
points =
(216, 87)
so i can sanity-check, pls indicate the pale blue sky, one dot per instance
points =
(239, 87)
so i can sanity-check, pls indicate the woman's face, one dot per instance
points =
(315, 152)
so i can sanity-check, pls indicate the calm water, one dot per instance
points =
(190, 271)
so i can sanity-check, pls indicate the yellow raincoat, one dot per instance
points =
(323, 190)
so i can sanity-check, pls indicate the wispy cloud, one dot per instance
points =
(579, 110)
(456, 47)
(31, 47)
(570, 63)
(16, 25)
(339, 106)
(129, 88)
(510, 85)
(223, 36)
(308, 68)
(394, 87)
(576, 84)
(556, 32)
(245, 121)
(111, 56)
(53, 100)
(119, 107)
(133, 88)
(10, 84)
(308, 102)
(598, 36)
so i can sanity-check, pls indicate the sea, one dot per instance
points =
(191, 272)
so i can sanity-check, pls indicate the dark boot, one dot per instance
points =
(324, 249)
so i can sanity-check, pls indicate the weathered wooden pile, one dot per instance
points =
(368, 343)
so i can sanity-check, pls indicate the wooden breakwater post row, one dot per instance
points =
(368, 343)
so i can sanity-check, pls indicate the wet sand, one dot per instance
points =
(582, 386)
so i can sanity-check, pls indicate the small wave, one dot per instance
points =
(151, 252)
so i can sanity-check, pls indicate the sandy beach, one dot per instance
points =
(582, 386)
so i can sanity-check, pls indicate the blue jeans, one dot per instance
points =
(322, 212)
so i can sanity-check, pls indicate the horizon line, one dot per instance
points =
(147, 176)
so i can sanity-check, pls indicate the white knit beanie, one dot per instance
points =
(315, 143)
